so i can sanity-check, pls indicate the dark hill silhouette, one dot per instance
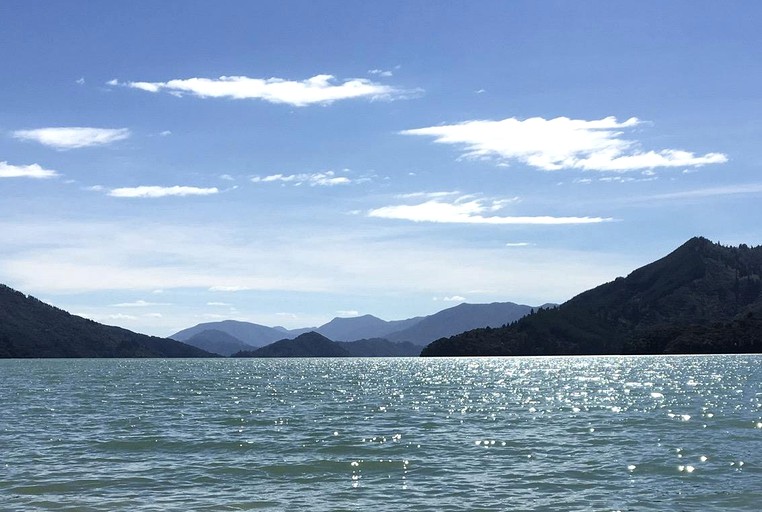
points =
(702, 297)
(310, 344)
(31, 328)
(378, 347)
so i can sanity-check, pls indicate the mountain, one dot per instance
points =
(313, 344)
(460, 318)
(702, 297)
(31, 328)
(379, 347)
(417, 330)
(310, 344)
(217, 342)
(251, 334)
(360, 327)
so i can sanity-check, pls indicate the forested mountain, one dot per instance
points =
(31, 328)
(703, 297)
(310, 344)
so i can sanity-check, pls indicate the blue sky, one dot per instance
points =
(169, 163)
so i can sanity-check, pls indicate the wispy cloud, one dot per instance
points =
(219, 304)
(454, 298)
(562, 143)
(347, 313)
(320, 89)
(73, 137)
(25, 171)
(728, 190)
(518, 244)
(469, 210)
(228, 288)
(154, 191)
(318, 179)
(140, 304)
(380, 72)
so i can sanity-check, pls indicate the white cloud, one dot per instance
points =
(139, 304)
(165, 133)
(153, 192)
(320, 89)
(73, 137)
(562, 143)
(380, 72)
(120, 316)
(229, 288)
(468, 210)
(518, 244)
(80, 81)
(319, 179)
(347, 313)
(25, 171)
(454, 298)
(218, 304)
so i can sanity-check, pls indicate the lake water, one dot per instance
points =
(567, 433)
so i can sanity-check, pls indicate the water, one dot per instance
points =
(605, 433)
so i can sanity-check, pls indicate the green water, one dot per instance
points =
(605, 433)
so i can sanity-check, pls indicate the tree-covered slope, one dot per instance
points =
(31, 328)
(310, 344)
(670, 305)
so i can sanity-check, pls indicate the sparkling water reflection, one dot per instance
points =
(601, 433)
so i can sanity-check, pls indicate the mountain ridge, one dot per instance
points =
(657, 308)
(30, 328)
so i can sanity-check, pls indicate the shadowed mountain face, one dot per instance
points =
(310, 344)
(313, 344)
(702, 297)
(31, 328)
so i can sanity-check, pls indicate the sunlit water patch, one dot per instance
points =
(600, 433)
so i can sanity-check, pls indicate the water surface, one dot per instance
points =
(566, 433)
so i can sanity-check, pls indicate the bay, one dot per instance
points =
(557, 433)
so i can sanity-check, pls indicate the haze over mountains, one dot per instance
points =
(417, 331)
(701, 298)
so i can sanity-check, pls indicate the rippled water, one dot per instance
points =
(604, 433)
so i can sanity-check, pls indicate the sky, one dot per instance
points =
(164, 164)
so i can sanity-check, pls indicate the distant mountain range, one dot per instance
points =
(31, 328)
(701, 298)
(313, 344)
(230, 336)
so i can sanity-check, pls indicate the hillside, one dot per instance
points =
(310, 344)
(361, 327)
(460, 318)
(702, 297)
(416, 330)
(31, 328)
(251, 334)
(217, 342)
